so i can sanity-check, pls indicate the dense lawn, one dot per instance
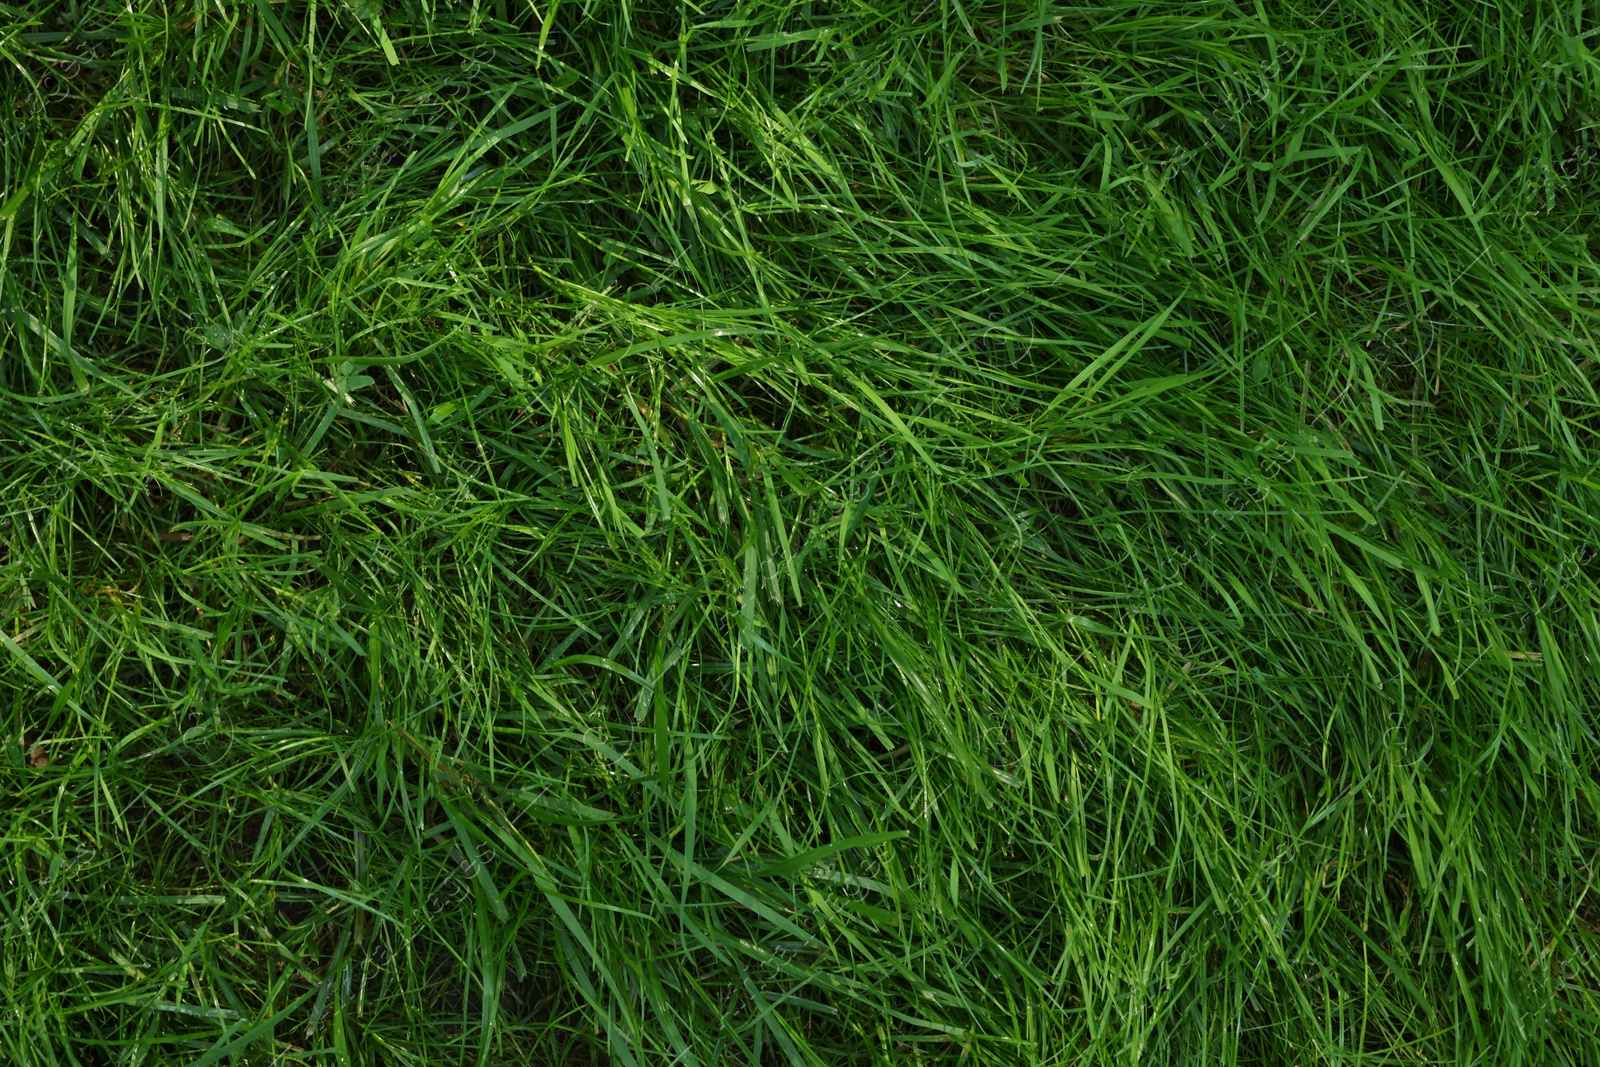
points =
(799, 533)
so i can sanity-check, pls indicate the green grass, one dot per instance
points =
(799, 533)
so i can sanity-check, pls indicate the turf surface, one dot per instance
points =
(799, 533)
